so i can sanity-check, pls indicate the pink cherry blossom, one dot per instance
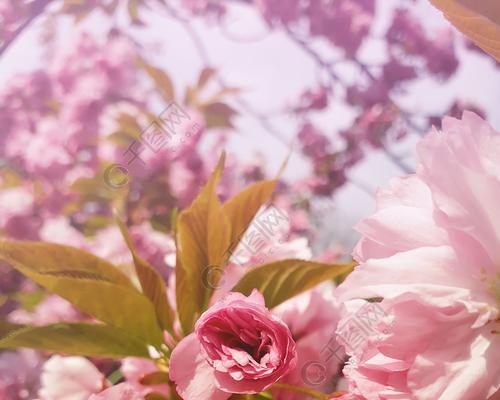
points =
(346, 23)
(16, 213)
(74, 378)
(59, 230)
(430, 251)
(109, 244)
(19, 374)
(51, 310)
(11, 15)
(123, 391)
(154, 246)
(238, 347)
(283, 11)
(134, 369)
(440, 56)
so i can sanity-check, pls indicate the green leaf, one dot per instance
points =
(155, 378)
(58, 260)
(281, 280)
(6, 328)
(220, 108)
(133, 11)
(152, 283)
(161, 78)
(218, 114)
(90, 283)
(203, 237)
(29, 300)
(242, 208)
(77, 339)
(205, 76)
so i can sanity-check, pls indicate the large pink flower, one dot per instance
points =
(312, 318)
(238, 347)
(431, 251)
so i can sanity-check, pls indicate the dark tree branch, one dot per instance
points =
(36, 8)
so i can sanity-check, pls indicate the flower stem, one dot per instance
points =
(300, 389)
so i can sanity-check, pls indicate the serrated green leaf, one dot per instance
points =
(242, 208)
(205, 75)
(281, 280)
(77, 339)
(88, 282)
(203, 237)
(219, 114)
(29, 300)
(152, 283)
(7, 327)
(58, 260)
(133, 10)
(161, 78)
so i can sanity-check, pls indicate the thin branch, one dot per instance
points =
(263, 120)
(245, 106)
(397, 160)
(36, 9)
(335, 77)
(304, 45)
(404, 114)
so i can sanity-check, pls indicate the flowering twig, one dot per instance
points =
(263, 120)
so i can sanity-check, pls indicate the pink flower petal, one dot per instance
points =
(191, 372)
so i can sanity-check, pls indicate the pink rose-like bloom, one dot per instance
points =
(74, 378)
(238, 347)
(431, 252)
